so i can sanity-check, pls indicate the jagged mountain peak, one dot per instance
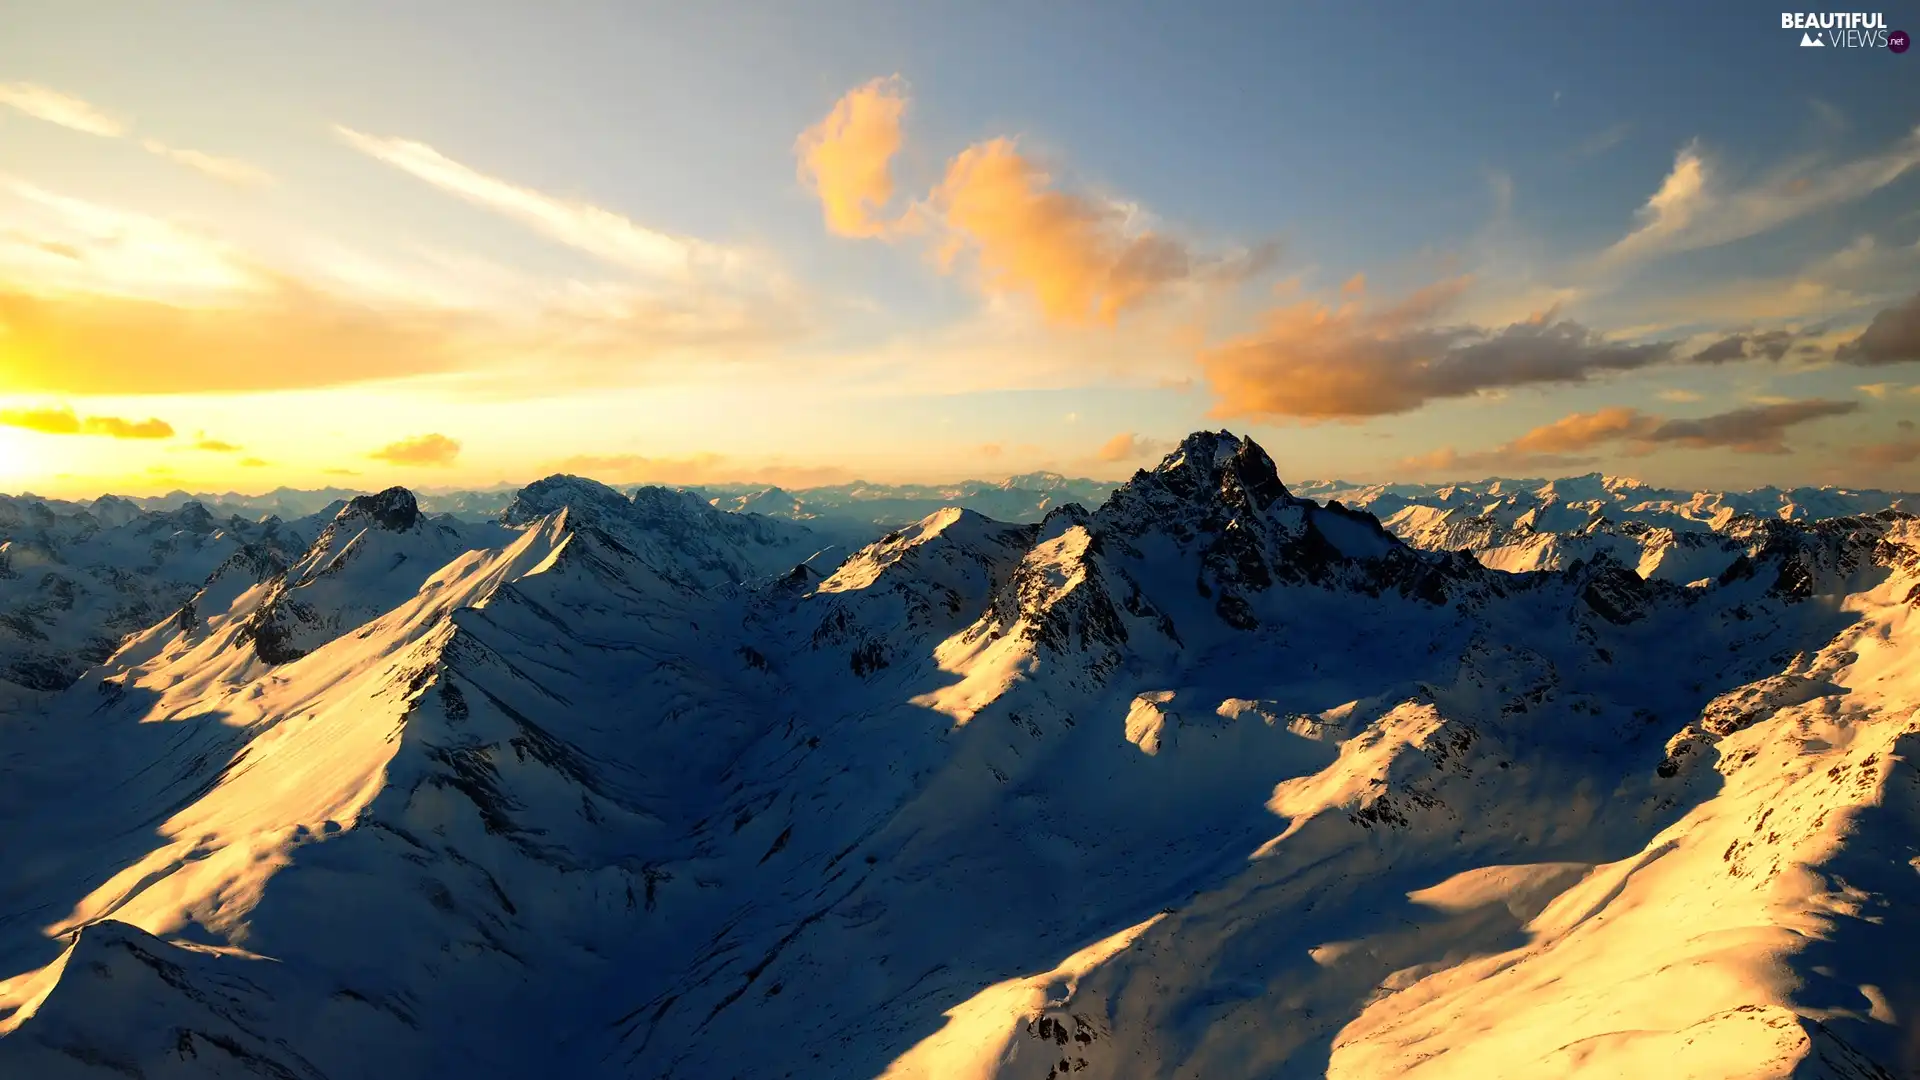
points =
(1214, 473)
(1220, 463)
(394, 509)
(192, 511)
(1061, 518)
(113, 510)
(952, 528)
(673, 531)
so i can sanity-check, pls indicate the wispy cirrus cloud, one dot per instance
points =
(98, 299)
(1602, 141)
(683, 299)
(70, 112)
(1695, 208)
(225, 169)
(64, 244)
(1826, 289)
(603, 233)
(1885, 391)
(54, 107)
(63, 421)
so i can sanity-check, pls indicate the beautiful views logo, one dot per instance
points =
(1844, 30)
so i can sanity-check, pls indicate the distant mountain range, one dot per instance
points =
(1194, 775)
(1029, 496)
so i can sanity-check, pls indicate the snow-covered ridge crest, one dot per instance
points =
(890, 602)
(375, 554)
(674, 533)
(590, 501)
(1522, 525)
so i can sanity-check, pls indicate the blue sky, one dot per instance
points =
(324, 233)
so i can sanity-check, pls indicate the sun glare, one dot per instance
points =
(20, 461)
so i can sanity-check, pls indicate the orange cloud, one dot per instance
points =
(254, 463)
(432, 449)
(1759, 429)
(1073, 255)
(1320, 363)
(293, 337)
(1083, 260)
(95, 299)
(63, 422)
(846, 159)
(1582, 430)
(1127, 446)
(288, 335)
(1897, 452)
(216, 446)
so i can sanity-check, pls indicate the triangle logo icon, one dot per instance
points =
(1808, 41)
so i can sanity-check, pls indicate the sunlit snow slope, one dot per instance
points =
(1208, 781)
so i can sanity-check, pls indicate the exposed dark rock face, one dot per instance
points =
(394, 509)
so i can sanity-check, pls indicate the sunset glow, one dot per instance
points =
(849, 261)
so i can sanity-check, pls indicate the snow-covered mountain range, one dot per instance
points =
(860, 505)
(863, 508)
(1205, 777)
